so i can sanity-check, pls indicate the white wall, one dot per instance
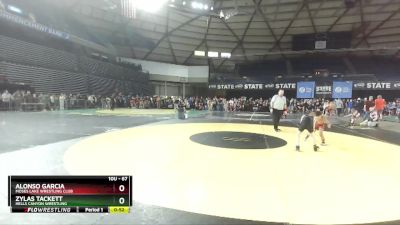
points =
(198, 71)
(167, 69)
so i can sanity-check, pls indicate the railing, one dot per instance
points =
(35, 104)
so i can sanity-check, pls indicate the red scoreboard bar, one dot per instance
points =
(69, 194)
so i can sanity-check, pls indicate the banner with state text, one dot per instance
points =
(322, 88)
(253, 86)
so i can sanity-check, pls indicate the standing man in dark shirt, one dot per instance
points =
(368, 104)
(359, 106)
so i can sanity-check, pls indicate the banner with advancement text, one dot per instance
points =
(342, 89)
(305, 89)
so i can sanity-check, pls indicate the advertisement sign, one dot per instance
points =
(305, 89)
(377, 85)
(323, 90)
(342, 89)
(252, 86)
(285, 86)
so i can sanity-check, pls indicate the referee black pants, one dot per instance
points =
(276, 117)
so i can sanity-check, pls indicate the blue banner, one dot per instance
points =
(342, 89)
(305, 89)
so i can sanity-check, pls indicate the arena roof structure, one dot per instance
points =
(251, 30)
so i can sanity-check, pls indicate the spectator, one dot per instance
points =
(52, 102)
(359, 106)
(18, 99)
(368, 104)
(339, 106)
(380, 106)
(6, 99)
(62, 101)
(398, 109)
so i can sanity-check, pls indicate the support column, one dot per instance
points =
(183, 90)
(289, 67)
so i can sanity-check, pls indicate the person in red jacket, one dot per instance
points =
(380, 105)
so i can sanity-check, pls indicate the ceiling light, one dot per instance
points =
(149, 6)
(225, 55)
(221, 14)
(14, 9)
(199, 53)
(205, 7)
(213, 54)
(197, 5)
(183, 3)
(212, 7)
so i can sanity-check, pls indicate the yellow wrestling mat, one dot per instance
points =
(135, 112)
(352, 180)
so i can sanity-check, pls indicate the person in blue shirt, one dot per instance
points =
(349, 105)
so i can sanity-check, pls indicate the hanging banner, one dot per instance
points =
(342, 89)
(305, 89)
(252, 86)
(285, 85)
(32, 25)
(323, 89)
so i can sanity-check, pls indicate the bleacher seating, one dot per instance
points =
(105, 69)
(55, 71)
(33, 54)
(92, 66)
(46, 80)
(55, 81)
(383, 68)
(309, 64)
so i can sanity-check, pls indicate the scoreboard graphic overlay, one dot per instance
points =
(70, 194)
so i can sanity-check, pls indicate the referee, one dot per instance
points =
(278, 104)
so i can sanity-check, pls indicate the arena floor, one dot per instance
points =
(213, 168)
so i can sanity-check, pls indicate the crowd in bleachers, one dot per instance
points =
(332, 107)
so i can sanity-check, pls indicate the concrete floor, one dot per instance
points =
(35, 144)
